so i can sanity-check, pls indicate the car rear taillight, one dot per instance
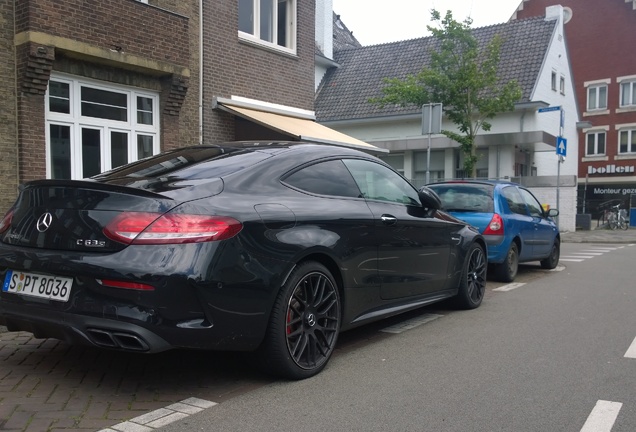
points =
(495, 226)
(170, 228)
(125, 285)
(5, 223)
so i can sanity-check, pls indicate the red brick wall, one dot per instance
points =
(599, 39)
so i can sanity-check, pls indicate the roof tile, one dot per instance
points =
(346, 90)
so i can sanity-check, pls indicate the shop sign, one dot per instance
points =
(610, 169)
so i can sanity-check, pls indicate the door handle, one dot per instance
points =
(388, 219)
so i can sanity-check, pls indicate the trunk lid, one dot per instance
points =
(69, 215)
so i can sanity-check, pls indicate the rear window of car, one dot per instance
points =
(192, 163)
(460, 197)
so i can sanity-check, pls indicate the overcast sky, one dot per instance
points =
(379, 21)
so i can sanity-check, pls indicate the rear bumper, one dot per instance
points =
(192, 306)
(497, 248)
(121, 335)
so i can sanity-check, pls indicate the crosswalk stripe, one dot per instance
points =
(631, 352)
(571, 260)
(602, 417)
(588, 253)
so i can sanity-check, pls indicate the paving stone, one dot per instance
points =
(18, 420)
(39, 425)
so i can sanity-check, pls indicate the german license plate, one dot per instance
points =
(38, 285)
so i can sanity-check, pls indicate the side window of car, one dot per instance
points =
(325, 178)
(533, 204)
(378, 182)
(515, 201)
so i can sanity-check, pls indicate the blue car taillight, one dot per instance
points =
(495, 226)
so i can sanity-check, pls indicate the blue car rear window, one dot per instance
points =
(465, 197)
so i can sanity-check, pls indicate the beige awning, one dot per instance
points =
(302, 129)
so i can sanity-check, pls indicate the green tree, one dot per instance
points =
(463, 77)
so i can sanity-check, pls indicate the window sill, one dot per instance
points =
(630, 156)
(592, 158)
(595, 113)
(631, 108)
(259, 43)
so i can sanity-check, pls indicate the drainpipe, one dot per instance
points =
(16, 105)
(200, 72)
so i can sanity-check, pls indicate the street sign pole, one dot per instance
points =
(431, 124)
(561, 147)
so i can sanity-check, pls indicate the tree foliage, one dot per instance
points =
(463, 77)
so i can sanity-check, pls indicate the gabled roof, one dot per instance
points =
(346, 90)
(343, 38)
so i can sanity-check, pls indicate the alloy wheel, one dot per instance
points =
(312, 321)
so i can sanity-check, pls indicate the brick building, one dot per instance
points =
(88, 85)
(604, 71)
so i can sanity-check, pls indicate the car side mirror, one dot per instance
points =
(553, 212)
(429, 198)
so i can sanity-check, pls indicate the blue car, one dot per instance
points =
(511, 219)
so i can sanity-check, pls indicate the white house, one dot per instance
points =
(521, 145)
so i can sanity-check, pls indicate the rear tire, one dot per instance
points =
(553, 259)
(472, 285)
(304, 324)
(507, 270)
(613, 222)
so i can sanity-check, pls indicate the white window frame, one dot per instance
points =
(77, 122)
(596, 134)
(595, 90)
(562, 84)
(630, 83)
(289, 46)
(630, 129)
(595, 87)
(554, 81)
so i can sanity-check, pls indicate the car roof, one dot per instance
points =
(476, 182)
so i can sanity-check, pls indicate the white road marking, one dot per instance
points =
(631, 352)
(509, 287)
(577, 256)
(599, 249)
(557, 269)
(602, 417)
(588, 253)
(412, 323)
(163, 416)
(570, 260)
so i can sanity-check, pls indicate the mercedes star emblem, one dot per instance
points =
(44, 222)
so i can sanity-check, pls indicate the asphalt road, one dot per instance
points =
(542, 354)
(548, 355)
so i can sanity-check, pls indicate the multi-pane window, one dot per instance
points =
(597, 97)
(628, 93)
(595, 143)
(272, 22)
(627, 141)
(93, 127)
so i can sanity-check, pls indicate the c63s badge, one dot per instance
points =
(91, 243)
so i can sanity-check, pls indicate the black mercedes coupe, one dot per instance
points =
(270, 247)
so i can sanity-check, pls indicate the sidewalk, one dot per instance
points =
(600, 235)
